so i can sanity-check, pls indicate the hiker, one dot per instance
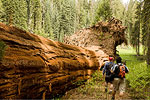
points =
(108, 75)
(119, 70)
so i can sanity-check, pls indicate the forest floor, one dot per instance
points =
(96, 91)
(93, 89)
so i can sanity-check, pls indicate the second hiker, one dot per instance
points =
(107, 73)
(119, 71)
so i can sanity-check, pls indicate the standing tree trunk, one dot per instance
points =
(148, 45)
(34, 26)
(28, 11)
(138, 44)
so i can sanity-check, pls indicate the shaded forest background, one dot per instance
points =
(56, 18)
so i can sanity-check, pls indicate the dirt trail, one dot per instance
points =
(93, 90)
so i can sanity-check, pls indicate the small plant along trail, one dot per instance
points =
(92, 89)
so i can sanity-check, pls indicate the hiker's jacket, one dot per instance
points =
(115, 69)
(107, 68)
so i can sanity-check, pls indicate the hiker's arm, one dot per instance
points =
(126, 69)
(104, 69)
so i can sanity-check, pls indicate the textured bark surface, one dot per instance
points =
(105, 36)
(36, 67)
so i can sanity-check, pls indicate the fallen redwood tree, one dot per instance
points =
(105, 36)
(35, 67)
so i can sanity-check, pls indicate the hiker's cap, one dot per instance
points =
(111, 58)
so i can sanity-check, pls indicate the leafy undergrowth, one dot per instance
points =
(139, 75)
(92, 89)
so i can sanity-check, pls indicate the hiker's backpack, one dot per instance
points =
(108, 69)
(121, 69)
(109, 76)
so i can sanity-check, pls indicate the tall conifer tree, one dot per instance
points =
(104, 11)
(117, 9)
(15, 12)
(135, 38)
(47, 23)
(36, 16)
(146, 28)
(2, 13)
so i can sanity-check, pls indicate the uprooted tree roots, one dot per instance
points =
(105, 36)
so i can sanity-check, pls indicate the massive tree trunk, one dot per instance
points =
(36, 67)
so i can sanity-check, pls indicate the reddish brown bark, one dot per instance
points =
(36, 67)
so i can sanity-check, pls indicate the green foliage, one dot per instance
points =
(139, 75)
(20, 14)
(2, 49)
(50, 18)
(96, 77)
(78, 83)
(15, 13)
(36, 15)
(56, 19)
(136, 31)
(92, 88)
(117, 9)
(67, 16)
(129, 18)
(104, 11)
(82, 14)
(138, 23)
(47, 22)
(8, 6)
(2, 12)
(146, 28)
(89, 87)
